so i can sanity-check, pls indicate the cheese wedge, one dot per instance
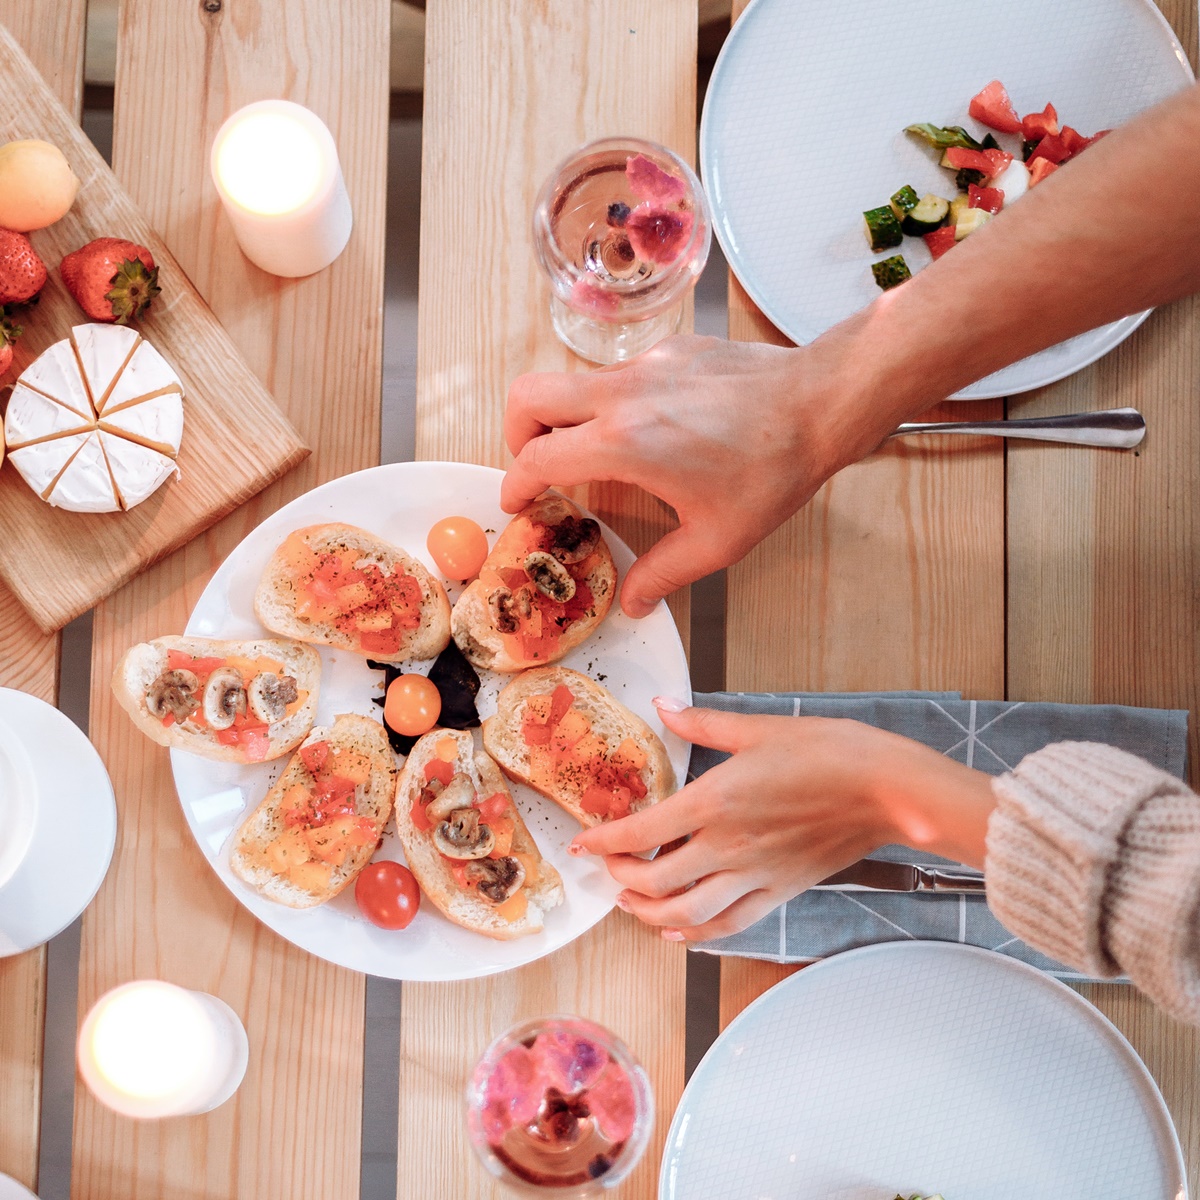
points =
(42, 463)
(32, 418)
(137, 471)
(95, 422)
(85, 484)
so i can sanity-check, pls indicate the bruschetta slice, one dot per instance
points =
(237, 701)
(546, 585)
(568, 738)
(321, 821)
(341, 586)
(466, 843)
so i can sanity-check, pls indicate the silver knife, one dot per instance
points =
(874, 875)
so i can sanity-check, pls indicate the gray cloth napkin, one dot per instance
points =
(992, 736)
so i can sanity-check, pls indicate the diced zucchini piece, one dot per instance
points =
(928, 214)
(891, 271)
(958, 206)
(904, 201)
(965, 176)
(970, 221)
(943, 136)
(883, 229)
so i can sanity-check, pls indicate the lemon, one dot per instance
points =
(37, 185)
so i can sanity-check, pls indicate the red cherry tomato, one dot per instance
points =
(412, 705)
(458, 546)
(387, 895)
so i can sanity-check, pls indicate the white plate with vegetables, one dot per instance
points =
(926, 1068)
(803, 132)
(634, 660)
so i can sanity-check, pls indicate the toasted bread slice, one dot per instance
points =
(143, 682)
(550, 526)
(617, 750)
(278, 869)
(467, 906)
(285, 605)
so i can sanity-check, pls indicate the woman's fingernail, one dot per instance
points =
(638, 607)
(669, 704)
(672, 935)
(576, 849)
(623, 902)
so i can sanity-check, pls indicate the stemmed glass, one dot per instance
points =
(622, 230)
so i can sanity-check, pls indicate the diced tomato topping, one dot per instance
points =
(382, 641)
(493, 808)
(580, 603)
(458, 869)
(439, 769)
(1073, 140)
(179, 660)
(940, 240)
(988, 198)
(974, 160)
(596, 800)
(314, 756)
(560, 700)
(993, 107)
(419, 817)
(1039, 125)
(1039, 168)
(621, 799)
(536, 734)
(168, 720)
(256, 744)
(514, 577)
(242, 734)
(999, 160)
(1051, 147)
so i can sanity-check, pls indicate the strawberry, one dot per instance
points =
(8, 335)
(111, 279)
(22, 273)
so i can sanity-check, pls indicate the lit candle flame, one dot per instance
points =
(269, 163)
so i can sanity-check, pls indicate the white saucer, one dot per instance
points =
(10, 1189)
(74, 824)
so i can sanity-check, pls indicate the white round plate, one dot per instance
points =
(803, 131)
(635, 660)
(74, 825)
(921, 1067)
(10, 1189)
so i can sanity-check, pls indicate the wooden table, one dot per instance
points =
(1044, 573)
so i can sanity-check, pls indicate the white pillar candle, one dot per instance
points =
(151, 1049)
(277, 173)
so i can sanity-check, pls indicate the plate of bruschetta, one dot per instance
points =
(303, 788)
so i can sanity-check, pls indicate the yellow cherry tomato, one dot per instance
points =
(458, 546)
(412, 705)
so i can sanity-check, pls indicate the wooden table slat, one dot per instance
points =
(294, 1128)
(29, 663)
(510, 89)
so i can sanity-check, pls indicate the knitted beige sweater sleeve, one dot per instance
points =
(1093, 857)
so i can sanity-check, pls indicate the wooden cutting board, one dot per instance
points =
(235, 439)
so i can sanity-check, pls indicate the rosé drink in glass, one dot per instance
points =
(622, 230)
(559, 1107)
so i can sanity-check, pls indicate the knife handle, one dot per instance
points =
(935, 879)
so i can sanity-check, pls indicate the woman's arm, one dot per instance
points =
(737, 436)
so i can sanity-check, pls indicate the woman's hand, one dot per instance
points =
(734, 436)
(799, 798)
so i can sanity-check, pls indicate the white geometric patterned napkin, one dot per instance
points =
(990, 735)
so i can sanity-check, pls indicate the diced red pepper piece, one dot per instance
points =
(314, 756)
(493, 808)
(1039, 125)
(993, 107)
(974, 160)
(560, 701)
(940, 240)
(418, 816)
(999, 160)
(1051, 147)
(1039, 169)
(1095, 138)
(988, 198)
(1073, 140)
(597, 801)
(443, 772)
(536, 734)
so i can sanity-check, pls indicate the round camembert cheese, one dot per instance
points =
(94, 422)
